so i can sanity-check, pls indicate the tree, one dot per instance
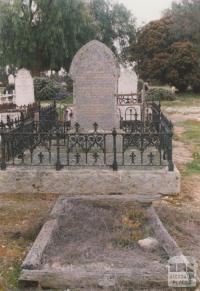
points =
(115, 24)
(150, 50)
(45, 34)
(183, 68)
(185, 15)
(159, 56)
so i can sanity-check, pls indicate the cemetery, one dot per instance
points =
(107, 131)
(115, 150)
(99, 149)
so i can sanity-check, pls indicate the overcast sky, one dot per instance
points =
(146, 10)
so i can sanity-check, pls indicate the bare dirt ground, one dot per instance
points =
(181, 214)
(94, 231)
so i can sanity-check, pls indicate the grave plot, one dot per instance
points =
(97, 242)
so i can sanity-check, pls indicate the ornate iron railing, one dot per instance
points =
(140, 142)
(128, 99)
(72, 148)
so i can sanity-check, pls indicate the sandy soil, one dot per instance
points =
(181, 214)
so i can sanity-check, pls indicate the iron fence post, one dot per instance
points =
(169, 153)
(3, 153)
(115, 165)
(58, 163)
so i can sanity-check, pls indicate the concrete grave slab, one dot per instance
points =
(86, 246)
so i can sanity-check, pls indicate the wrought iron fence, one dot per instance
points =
(47, 142)
(73, 148)
(48, 117)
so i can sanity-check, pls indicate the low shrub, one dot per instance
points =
(159, 94)
(48, 89)
(196, 86)
(44, 88)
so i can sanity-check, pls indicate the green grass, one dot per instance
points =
(11, 276)
(66, 101)
(194, 166)
(191, 137)
(184, 99)
(21, 218)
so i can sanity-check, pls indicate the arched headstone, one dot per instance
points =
(127, 81)
(11, 79)
(24, 88)
(95, 74)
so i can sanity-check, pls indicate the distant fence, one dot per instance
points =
(129, 99)
(45, 117)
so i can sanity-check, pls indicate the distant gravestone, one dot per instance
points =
(128, 81)
(11, 79)
(95, 74)
(24, 89)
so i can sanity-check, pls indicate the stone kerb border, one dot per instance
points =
(33, 273)
(90, 181)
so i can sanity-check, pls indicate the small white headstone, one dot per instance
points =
(11, 79)
(127, 83)
(24, 88)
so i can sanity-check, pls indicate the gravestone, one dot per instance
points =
(11, 79)
(24, 88)
(128, 81)
(95, 74)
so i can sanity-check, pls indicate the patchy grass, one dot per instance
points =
(21, 218)
(66, 101)
(10, 276)
(191, 137)
(184, 99)
(135, 224)
(191, 134)
(194, 166)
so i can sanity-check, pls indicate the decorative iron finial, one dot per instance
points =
(95, 125)
(77, 127)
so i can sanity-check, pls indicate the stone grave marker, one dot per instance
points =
(11, 79)
(95, 74)
(128, 81)
(24, 88)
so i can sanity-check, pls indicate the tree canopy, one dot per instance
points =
(45, 34)
(114, 24)
(185, 16)
(160, 56)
